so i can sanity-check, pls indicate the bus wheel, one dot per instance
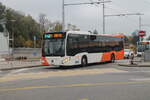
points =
(84, 61)
(112, 58)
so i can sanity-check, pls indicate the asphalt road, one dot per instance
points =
(95, 82)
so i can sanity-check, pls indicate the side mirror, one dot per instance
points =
(1, 28)
(92, 37)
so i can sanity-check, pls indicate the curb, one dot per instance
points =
(134, 65)
(14, 68)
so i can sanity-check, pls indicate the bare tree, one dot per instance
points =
(45, 24)
(42, 22)
(71, 27)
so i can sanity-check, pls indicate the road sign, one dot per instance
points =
(34, 38)
(142, 33)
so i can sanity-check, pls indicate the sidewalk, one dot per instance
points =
(143, 64)
(138, 62)
(10, 65)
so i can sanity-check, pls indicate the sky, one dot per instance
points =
(89, 17)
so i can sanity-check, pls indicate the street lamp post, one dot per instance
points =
(63, 16)
(140, 21)
(13, 38)
(103, 17)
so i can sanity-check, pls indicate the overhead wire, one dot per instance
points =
(123, 10)
(146, 2)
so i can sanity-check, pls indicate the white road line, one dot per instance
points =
(139, 71)
(140, 79)
(18, 71)
(143, 71)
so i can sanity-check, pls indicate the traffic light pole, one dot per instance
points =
(140, 26)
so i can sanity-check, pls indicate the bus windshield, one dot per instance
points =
(54, 47)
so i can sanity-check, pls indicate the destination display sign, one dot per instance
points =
(54, 35)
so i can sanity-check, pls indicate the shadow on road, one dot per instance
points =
(77, 66)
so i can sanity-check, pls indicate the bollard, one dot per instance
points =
(131, 59)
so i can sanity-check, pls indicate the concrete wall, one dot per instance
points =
(27, 52)
(147, 56)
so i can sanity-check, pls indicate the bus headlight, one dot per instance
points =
(66, 60)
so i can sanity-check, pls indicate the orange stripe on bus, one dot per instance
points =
(120, 54)
(107, 56)
(44, 61)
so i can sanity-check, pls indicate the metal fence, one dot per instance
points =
(27, 53)
(147, 56)
(22, 53)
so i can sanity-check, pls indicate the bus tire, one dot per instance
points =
(112, 58)
(84, 61)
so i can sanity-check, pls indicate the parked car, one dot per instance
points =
(127, 53)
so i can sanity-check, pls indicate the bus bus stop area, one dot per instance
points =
(137, 62)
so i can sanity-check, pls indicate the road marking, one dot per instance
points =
(65, 73)
(141, 71)
(18, 71)
(84, 99)
(74, 85)
(141, 79)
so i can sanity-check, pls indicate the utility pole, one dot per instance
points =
(140, 21)
(103, 17)
(63, 16)
(86, 3)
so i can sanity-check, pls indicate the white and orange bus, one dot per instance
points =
(80, 48)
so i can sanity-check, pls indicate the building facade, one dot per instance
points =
(4, 44)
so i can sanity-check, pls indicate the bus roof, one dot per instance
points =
(89, 33)
(114, 35)
(78, 32)
(72, 32)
